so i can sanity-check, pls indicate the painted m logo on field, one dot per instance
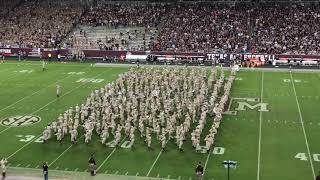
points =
(261, 106)
(243, 104)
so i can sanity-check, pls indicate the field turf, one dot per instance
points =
(279, 144)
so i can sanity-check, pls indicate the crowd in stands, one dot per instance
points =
(7, 6)
(204, 27)
(267, 28)
(39, 23)
(293, 29)
(106, 14)
(193, 27)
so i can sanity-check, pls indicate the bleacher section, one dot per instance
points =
(109, 38)
(216, 27)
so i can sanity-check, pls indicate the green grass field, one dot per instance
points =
(279, 144)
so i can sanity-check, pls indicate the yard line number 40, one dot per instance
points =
(303, 157)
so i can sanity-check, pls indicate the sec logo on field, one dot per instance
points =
(18, 121)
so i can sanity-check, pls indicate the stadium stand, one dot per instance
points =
(223, 27)
(118, 26)
(39, 23)
(104, 38)
(283, 28)
(204, 27)
(242, 27)
(7, 6)
(125, 14)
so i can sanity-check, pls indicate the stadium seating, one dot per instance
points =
(122, 38)
(39, 23)
(286, 28)
(125, 14)
(204, 27)
(243, 27)
(275, 28)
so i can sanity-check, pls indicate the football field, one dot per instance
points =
(271, 127)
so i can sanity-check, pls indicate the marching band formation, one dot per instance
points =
(158, 104)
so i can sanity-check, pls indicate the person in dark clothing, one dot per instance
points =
(199, 171)
(92, 165)
(318, 177)
(45, 168)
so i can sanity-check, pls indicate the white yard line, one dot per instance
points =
(40, 110)
(42, 107)
(108, 156)
(15, 75)
(48, 104)
(260, 128)
(7, 69)
(205, 165)
(107, 175)
(63, 152)
(11, 77)
(154, 163)
(34, 93)
(106, 159)
(302, 125)
(72, 64)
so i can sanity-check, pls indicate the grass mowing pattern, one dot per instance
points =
(26, 89)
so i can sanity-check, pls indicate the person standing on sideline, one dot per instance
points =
(45, 168)
(199, 171)
(59, 57)
(19, 55)
(58, 90)
(3, 164)
(290, 68)
(92, 165)
(49, 56)
(43, 65)
(2, 58)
